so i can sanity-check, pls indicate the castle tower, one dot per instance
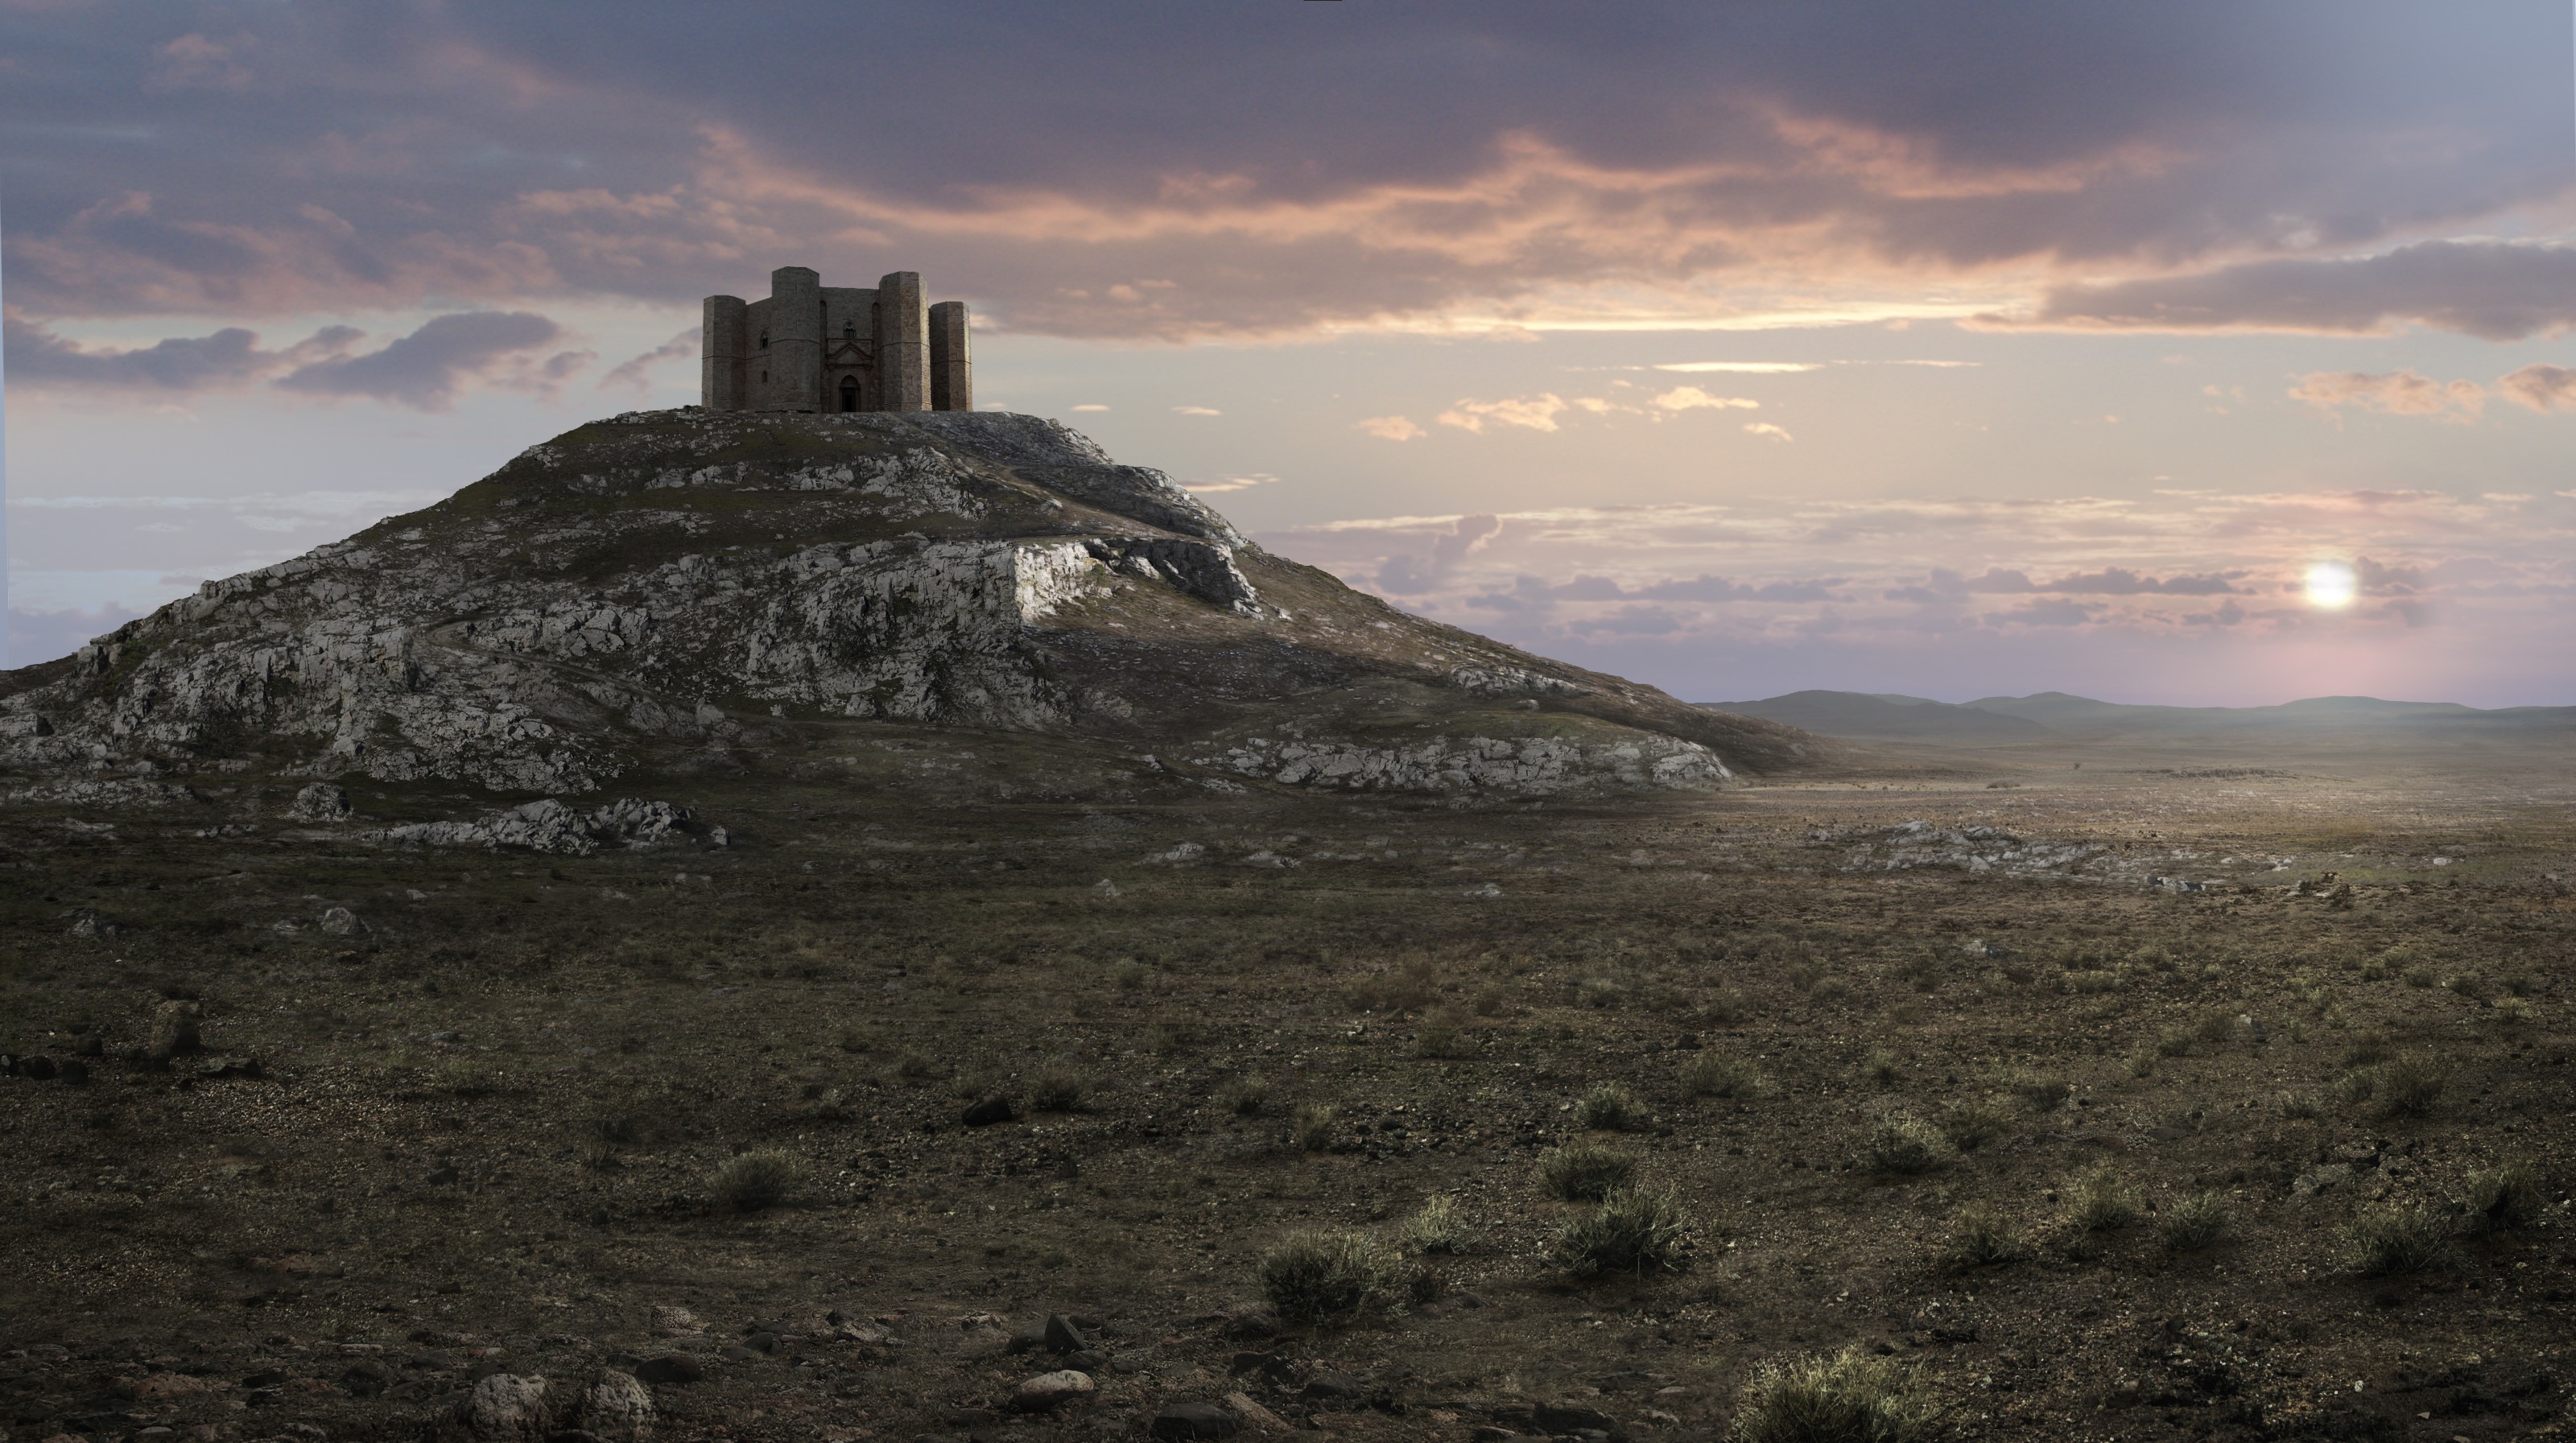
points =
(795, 353)
(812, 347)
(952, 373)
(903, 344)
(720, 363)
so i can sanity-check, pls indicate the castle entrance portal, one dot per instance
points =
(849, 393)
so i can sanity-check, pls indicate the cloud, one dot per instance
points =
(1752, 368)
(1765, 428)
(1391, 428)
(2498, 290)
(229, 357)
(1464, 171)
(1692, 398)
(1089, 406)
(1404, 575)
(1196, 411)
(1231, 483)
(2053, 611)
(633, 372)
(2399, 393)
(424, 369)
(1535, 413)
(2542, 388)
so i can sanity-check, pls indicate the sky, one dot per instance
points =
(2200, 353)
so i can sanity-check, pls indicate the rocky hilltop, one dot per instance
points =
(667, 591)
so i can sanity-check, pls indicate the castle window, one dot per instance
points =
(764, 340)
(849, 330)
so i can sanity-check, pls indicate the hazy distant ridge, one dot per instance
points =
(1889, 716)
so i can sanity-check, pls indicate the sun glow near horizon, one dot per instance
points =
(2332, 586)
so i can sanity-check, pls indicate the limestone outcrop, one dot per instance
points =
(684, 588)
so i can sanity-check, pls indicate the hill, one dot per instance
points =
(681, 591)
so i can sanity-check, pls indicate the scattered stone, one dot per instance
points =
(1049, 1391)
(320, 802)
(740, 1354)
(1194, 1420)
(174, 1029)
(1061, 1336)
(989, 1111)
(1254, 1414)
(73, 1071)
(507, 1408)
(341, 922)
(547, 825)
(367, 1377)
(1250, 1322)
(670, 1370)
(618, 1408)
(1334, 1388)
(39, 1067)
(675, 1322)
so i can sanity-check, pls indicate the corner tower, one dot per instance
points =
(812, 347)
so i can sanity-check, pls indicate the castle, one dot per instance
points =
(813, 347)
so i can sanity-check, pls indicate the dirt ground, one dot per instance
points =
(455, 1115)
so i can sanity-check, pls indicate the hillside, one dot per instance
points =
(677, 592)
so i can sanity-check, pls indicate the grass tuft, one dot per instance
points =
(1906, 1145)
(1717, 1073)
(1438, 1228)
(1971, 1125)
(1981, 1237)
(751, 1181)
(1610, 1108)
(1312, 1128)
(2408, 1085)
(2399, 1238)
(1845, 1397)
(2501, 1199)
(2101, 1201)
(2195, 1223)
(1586, 1171)
(1330, 1277)
(1633, 1231)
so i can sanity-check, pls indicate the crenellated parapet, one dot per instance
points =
(813, 347)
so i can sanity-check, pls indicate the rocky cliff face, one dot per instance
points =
(660, 588)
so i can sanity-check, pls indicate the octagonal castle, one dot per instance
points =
(813, 347)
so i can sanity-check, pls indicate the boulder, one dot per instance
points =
(618, 1408)
(1049, 1391)
(507, 1408)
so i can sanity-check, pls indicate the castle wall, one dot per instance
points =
(755, 356)
(721, 353)
(903, 344)
(849, 344)
(952, 373)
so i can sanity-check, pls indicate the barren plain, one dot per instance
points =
(2065, 1092)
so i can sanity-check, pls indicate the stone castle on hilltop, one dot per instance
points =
(813, 347)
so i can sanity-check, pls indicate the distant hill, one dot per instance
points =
(1899, 718)
(1887, 716)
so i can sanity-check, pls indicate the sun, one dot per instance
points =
(2332, 586)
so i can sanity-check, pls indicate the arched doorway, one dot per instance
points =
(849, 393)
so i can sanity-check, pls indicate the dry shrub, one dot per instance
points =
(2202, 1220)
(1717, 1073)
(2398, 1238)
(1981, 1237)
(1845, 1397)
(1610, 1108)
(751, 1181)
(1312, 1128)
(1906, 1145)
(1633, 1231)
(1586, 1171)
(1330, 1277)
